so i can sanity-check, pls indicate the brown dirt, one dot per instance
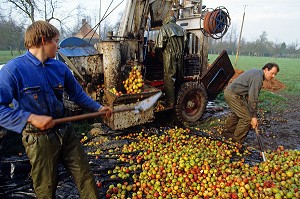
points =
(281, 127)
(272, 85)
(277, 127)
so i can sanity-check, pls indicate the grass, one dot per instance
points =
(289, 75)
(269, 101)
(289, 69)
(5, 56)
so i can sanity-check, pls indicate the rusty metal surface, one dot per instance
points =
(111, 62)
(129, 49)
(159, 10)
(87, 65)
(127, 119)
(134, 17)
(71, 105)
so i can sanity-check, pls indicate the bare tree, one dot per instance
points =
(11, 35)
(232, 38)
(276, 48)
(27, 7)
(283, 49)
(292, 49)
(263, 37)
(260, 43)
(47, 9)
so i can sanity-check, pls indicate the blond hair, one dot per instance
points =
(37, 31)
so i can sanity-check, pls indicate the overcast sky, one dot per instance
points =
(279, 18)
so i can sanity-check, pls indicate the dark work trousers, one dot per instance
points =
(173, 75)
(47, 150)
(239, 122)
(3, 132)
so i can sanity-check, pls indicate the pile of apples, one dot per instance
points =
(134, 83)
(114, 91)
(178, 164)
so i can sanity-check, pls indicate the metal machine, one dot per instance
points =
(132, 48)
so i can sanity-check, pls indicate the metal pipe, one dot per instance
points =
(181, 2)
(100, 22)
(239, 42)
(111, 62)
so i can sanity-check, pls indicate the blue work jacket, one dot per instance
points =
(36, 87)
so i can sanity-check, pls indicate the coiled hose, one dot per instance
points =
(216, 23)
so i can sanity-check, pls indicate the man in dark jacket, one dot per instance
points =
(242, 97)
(171, 39)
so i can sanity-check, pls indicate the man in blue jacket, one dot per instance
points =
(34, 83)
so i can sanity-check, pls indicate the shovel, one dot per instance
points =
(260, 144)
(140, 107)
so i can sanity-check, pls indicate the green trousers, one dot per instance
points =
(239, 121)
(46, 151)
(173, 75)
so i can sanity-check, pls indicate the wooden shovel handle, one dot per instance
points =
(88, 115)
(260, 144)
(78, 117)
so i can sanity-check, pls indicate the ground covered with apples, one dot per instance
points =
(166, 159)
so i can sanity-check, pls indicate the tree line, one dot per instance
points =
(16, 15)
(11, 35)
(259, 47)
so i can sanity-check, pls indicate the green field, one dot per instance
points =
(6, 56)
(289, 69)
(289, 75)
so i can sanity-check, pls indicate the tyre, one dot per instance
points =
(191, 102)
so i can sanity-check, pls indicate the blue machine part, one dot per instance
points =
(76, 47)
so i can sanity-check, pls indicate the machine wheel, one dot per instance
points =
(191, 102)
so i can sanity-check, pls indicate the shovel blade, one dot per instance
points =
(148, 103)
(260, 145)
(263, 156)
